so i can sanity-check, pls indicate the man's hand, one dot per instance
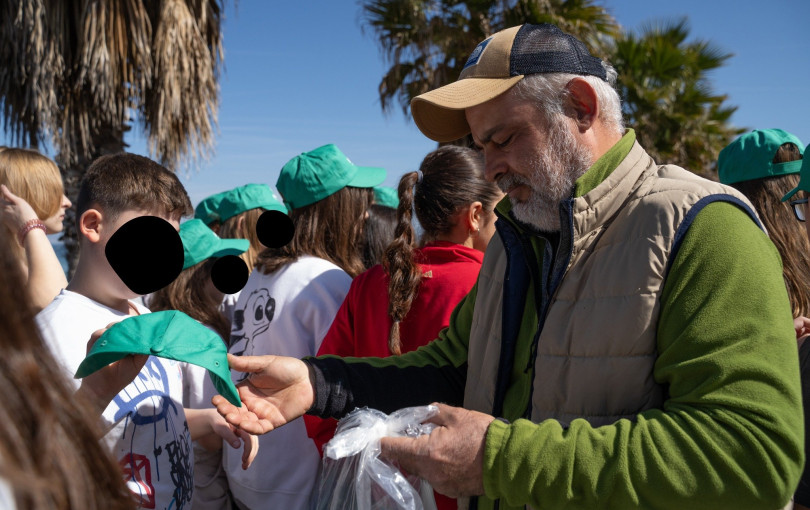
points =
(451, 458)
(100, 387)
(277, 391)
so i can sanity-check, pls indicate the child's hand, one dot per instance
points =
(234, 436)
(100, 387)
(16, 211)
(251, 448)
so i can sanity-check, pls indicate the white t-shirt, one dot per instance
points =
(285, 313)
(7, 501)
(149, 435)
(229, 305)
(210, 482)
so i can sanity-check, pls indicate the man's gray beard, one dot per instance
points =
(553, 170)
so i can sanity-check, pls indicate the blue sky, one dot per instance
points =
(302, 74)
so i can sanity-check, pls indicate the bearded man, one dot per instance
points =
(629, 343)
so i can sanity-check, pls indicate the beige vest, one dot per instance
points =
(597, 350)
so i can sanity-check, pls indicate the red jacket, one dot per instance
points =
(361, 326)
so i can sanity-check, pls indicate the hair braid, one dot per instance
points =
(404, 274)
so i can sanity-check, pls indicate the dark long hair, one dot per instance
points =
(187, 293)
(379, 232)
(452, 178)
(49, 448)
(331, 229)
(786, 233)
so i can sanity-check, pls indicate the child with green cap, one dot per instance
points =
(194, 294)
(289, 302)
(126, 205)
(238, 210)
(802, 324)
(208, 211)
(764, 165)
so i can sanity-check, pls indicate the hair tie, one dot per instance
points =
(419, 176)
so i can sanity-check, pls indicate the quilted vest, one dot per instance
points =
(593, 326)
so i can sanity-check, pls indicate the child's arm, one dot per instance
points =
(209, 428)
(45, 274)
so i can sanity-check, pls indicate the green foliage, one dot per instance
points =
(427, 42)
(663, 75)
(667, 96)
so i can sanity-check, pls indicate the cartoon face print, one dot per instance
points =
(251, 321)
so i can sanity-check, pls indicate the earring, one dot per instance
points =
(475, 232)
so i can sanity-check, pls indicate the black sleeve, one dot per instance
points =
(341, 385)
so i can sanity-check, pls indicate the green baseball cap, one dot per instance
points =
(314, 175)
(169, 334)
(200, 243)
(804, 180)
(208, 209)
(386, 196)
(750, 156)
(247, 197)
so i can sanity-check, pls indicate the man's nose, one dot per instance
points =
(493, 168)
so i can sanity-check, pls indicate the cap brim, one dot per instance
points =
(231, 247)
(439, 114)
(367, 177)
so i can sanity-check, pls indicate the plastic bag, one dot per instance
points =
(354, 477)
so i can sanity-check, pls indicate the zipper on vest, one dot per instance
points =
(561, 258)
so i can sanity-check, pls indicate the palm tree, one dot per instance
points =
(668, 98)
(427, 42)
(80, 73)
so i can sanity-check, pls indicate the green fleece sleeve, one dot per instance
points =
(730, 432)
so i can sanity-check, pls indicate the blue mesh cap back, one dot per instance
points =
(545, 48)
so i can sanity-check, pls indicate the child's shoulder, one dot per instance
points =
(68, 302)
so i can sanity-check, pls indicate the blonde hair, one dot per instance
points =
(34, 178)
(229, 229)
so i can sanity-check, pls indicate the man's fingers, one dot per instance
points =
(229, 411)
(248, 363)
(242, 417)
(444, 416)
(407, 451)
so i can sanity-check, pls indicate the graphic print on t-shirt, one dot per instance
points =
(151, 416)
(251, 321)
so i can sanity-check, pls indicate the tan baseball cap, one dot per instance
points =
(495, 66)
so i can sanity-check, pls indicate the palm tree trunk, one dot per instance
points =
(108, 140)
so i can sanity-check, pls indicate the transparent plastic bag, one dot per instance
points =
(354, 477)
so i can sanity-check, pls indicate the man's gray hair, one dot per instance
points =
(547, 91)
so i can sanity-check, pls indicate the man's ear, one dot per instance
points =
(90, 225)
(583, 103)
